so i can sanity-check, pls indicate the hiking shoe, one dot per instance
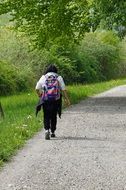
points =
(47, 135)
(53, 135)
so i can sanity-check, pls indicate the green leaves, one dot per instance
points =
(112, 11)
(47, 20)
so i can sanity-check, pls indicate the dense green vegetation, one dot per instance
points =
(112, 13)
(49, 21)
(99, 56)
(81, 37)
(20, 122)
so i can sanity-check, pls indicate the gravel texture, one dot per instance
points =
(89, 152)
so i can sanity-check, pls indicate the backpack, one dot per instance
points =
(51, 88)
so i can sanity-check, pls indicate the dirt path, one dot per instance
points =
(89, 152)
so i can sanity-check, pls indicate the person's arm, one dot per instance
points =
(38, 93)
(66, 98)
(63, 90)
(38, 87)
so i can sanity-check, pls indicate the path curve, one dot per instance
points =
(89, 152)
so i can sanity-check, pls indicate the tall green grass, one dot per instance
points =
(20, 122)
(80, 92)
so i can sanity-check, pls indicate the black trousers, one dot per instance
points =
(50, 110)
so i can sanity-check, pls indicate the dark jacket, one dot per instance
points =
(40, 103)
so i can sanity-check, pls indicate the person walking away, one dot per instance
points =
(50, 88)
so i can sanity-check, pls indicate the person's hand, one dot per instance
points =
(39, 94)
(67, 102)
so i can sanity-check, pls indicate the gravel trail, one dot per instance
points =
(89, 152)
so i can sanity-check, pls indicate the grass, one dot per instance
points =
(20, 122)
(80, 92)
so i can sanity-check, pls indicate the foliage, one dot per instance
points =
(46, 20)
(50, 21)
(12, 79)
(4, 20)
(104, 53)
(7, 78)
(61, 58)
(15, 48)
(113, 13)
(108, 37)
(95, 59)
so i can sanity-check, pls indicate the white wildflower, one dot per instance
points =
(24, 125)
(29, 117)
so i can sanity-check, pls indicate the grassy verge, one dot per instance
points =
(20, 122)
(80, 92)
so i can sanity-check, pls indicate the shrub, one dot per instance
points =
(7, 79)
(25, 79)
(18, 72)
(14, 79)
(104, 56)
(88, 68)
(108, 37)
(95, 59)
(62, 61)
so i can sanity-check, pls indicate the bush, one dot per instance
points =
(18, 71)
(65, 67)
(95, 59)
(108, 37)
(29, 64)
(61, 60)
(104, 57)
(25, 79)
(88, 70)
(7, 79)
(14, 79)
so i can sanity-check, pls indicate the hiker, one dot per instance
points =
(50, 89)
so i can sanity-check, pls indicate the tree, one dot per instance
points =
(47, 21)
(113, 12)
(63, 21)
